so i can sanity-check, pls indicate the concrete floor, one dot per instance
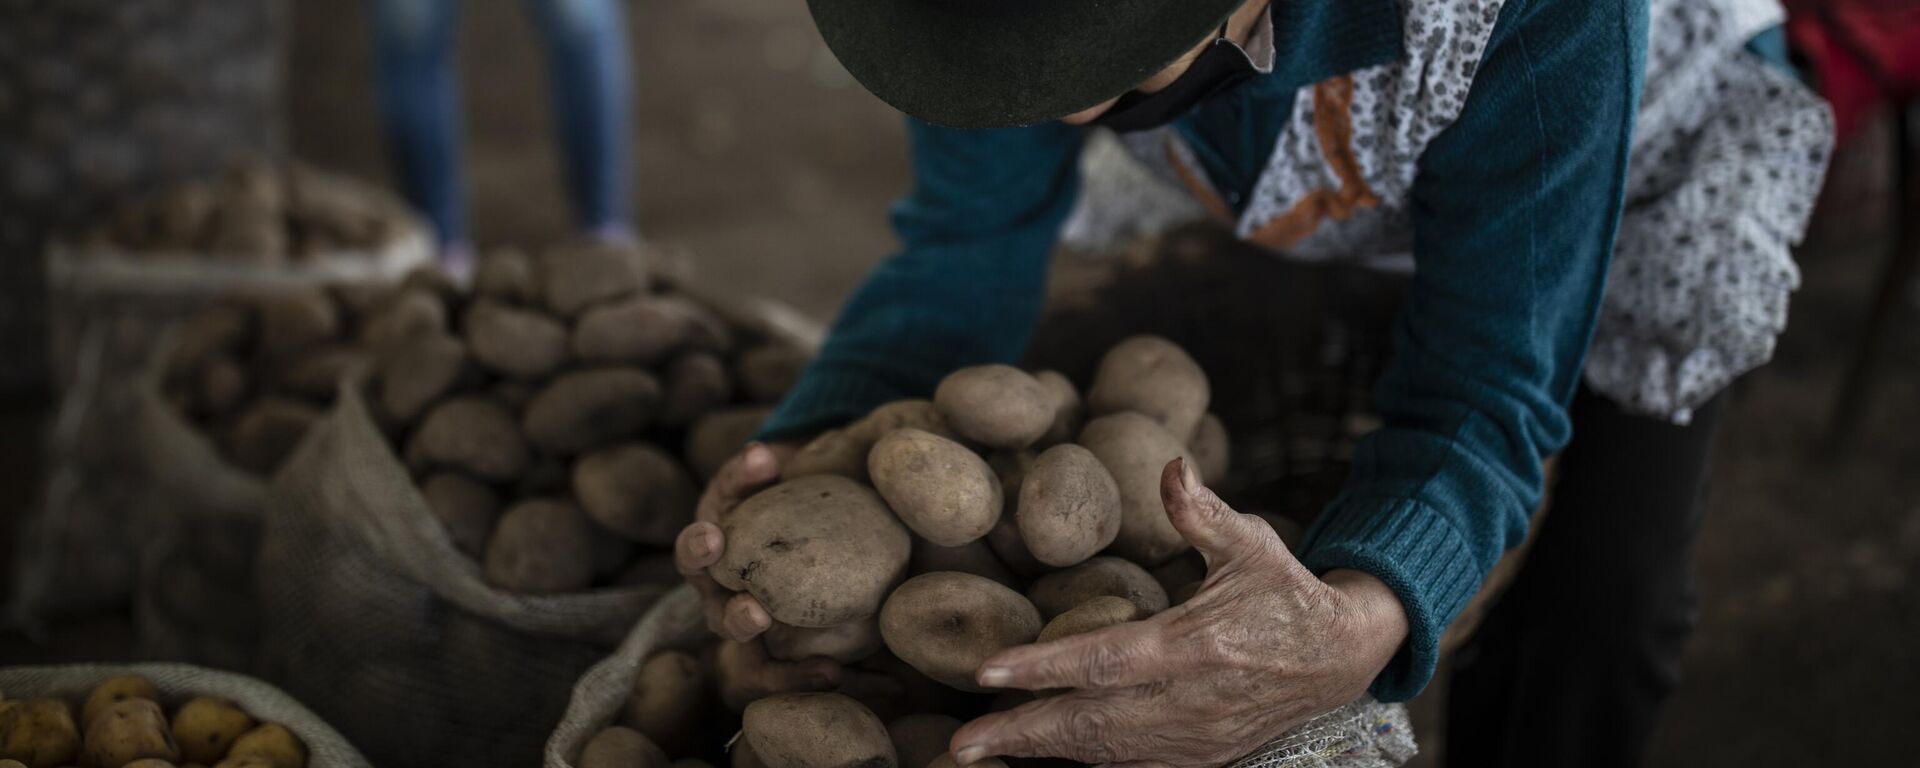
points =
(758, 155)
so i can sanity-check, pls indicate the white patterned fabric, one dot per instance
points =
(1728, 156)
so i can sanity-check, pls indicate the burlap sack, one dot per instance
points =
(195, 536)
(1363, 734)
(177, 682)
(108, 311)
(373, 618)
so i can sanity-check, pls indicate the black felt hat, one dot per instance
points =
(996, 63)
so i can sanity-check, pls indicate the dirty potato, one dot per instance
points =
(541, 546)
(471, 434)
(998, 406)
(940, 489)
(637, 491)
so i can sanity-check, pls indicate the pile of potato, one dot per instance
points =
(255, 370)
(924, 538)
(121, 725)
(539, 413)
(258, 213)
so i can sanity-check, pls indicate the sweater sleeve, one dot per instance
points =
(1515, 208)
(968, 283)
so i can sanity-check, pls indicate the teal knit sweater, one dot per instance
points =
(1515, 206)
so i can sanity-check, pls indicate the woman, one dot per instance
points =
(587, 45)
(1561, 179)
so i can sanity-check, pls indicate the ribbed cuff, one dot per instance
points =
(1419, 555)
(825, 397)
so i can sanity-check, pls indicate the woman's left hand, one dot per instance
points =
(1263, 646)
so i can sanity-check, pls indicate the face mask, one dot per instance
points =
(1219, 68)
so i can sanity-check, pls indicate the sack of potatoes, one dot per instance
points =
(156, 716)
(910, 546)
(490, 512)
(258, 212)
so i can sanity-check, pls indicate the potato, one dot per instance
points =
(1183, 569)
(816, 552)
(816, 730)
(768, 370)
(637, 491)
(114, 690)
(622, 747)
(222, 386)
(975, 557)
(833, 452)
(1069, 414)
(844, 643)
(12, 764)
(316, 374)
(541, 546)
(668, 701)
(1135, 450)
(206, 727)
(149, 762)
(998, 406)
(1069, 506)
(941, 490)
(1005, 539)
(294, 320)
(741, 754)
(245, 761)
(401, 316)
(918, 739)
(1211, 450)
(1098, 613)
(471, 434)
(521, 343)
(945, 760)
(946, 624)
(1062, 591)
(696, 382)
(273, 743)
(506, 275)
(590, 408)
(578, 275)
(39, 732)
(1155, 377)
(419, 371)
(126, 731)
(434, 280)
(466, 507)
(268, 431)
(647, 329)
(716, 437)
(221, 329)
(901, 414)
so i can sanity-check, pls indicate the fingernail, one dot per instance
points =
(994, 677)
(970, 755)
(1189, 481)
(704, 544)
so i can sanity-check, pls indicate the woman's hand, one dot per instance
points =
(736, 616)
(1263, 646)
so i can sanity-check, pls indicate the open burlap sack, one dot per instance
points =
(179, 682)
(195, 534)
(373, 618)
(1363, 734)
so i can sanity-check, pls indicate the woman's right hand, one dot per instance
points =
(735, 616)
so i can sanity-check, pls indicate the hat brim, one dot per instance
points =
(1000, 63)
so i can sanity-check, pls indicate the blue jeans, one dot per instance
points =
(587, 46)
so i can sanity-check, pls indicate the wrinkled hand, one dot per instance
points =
(1263, 646)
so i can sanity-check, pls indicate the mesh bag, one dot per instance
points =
(1363, 734)
(372, 617)
(325, 747)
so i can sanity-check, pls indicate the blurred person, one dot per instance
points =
(1598, 198)
(588, 74)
